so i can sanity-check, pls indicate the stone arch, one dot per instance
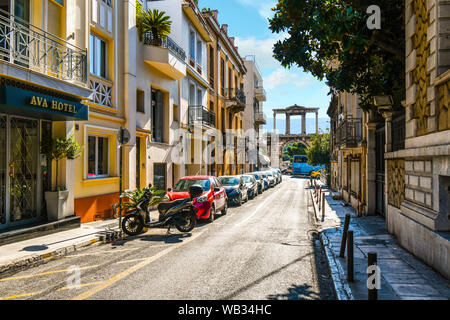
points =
(288, 142)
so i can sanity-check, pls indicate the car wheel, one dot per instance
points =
(225, 208)
(212, 214)
(240, 201)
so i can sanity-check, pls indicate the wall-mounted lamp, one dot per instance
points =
(71, 36)
(383, 103)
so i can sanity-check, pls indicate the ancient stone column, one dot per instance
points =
(304, 123)
(288, 124)
(317, 122)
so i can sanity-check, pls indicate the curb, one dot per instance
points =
(341, 288)
(33, 260)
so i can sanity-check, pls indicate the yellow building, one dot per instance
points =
(226, 76)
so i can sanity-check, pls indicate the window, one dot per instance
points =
(199, 97)
(222, 76)
(97, 156)
(211, 65)
(157, 116)
(192, 45)
(140, 101)
(159, 176)
(97, 59)
(199, 52)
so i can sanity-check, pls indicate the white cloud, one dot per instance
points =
(262, 49)
(284, 77)
(263, 6)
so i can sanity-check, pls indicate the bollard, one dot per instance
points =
(323, 205)
(350, 256)
(372, 261)
(344, 235)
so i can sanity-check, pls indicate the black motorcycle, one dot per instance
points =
(180, 213)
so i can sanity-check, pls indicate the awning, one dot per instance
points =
(18, 101)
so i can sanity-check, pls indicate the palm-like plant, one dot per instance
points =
(155, 22)
(135, 197)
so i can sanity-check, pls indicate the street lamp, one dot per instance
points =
(383, 103)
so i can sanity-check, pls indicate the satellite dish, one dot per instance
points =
(123, 137)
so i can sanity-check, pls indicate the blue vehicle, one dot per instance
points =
(300, 166)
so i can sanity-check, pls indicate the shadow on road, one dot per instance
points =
(295, 292)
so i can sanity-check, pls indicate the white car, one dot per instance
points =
(271, 177)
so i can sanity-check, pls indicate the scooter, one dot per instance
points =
(181, 213)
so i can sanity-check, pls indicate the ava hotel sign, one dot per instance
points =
(24, 102)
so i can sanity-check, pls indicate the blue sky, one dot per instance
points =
(247, 22)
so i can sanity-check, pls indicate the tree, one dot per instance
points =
(319, 151)
(59, 149)
(153, 22)
(296, 148)
(331, 39)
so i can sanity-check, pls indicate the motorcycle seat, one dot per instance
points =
(164, 206)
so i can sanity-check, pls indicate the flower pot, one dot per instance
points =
(56, 204)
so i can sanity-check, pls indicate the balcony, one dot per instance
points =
(201, 115)
(31, 48)
(165, 56)
(349, 133)
(260, 93)
(235, 99)
(260, 118)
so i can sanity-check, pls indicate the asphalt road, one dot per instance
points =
(265, 249)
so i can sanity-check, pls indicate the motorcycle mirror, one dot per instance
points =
(195, 191)
(169, 189)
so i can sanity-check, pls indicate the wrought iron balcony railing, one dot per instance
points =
(200, 114)
(165, 42)
(349, 132)
(260, 118)
(30, 47)
(235, 94)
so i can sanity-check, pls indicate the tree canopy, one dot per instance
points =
(330, 39)
(319, 151)
(296, 148)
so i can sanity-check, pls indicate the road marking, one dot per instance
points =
(44, 273)
(81, 285)
(100, 252)
(134, 268)
(257, 208)
(21, 295)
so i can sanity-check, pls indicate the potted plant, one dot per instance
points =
(57, 150)
(155, 23)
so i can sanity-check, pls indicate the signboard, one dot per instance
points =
(24, 102)
(123, 136)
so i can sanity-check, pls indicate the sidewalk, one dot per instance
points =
(25, 253)
(403, 277)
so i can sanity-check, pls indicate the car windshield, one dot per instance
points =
(184, 184)
(229, 181)
(248, 179)
(264, 175)
(269, 174)
(256, 176)
(300, 159)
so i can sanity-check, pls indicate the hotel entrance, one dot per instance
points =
(20, 170)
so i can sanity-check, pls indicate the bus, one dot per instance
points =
(300, 166)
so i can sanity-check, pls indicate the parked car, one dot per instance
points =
(213, 191)
(252, 185)
(271, 179)
(276, 175)
(265, 180)
(259, 180)
(236, 189)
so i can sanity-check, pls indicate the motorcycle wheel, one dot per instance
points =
(132, 225)
(191, 222)
(225, 208)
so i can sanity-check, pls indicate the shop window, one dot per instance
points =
(98, 58)
(98, 152)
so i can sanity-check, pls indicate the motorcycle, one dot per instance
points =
(181, 213)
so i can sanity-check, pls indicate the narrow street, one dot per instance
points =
(265, 249)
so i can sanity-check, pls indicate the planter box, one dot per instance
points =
(56, 204)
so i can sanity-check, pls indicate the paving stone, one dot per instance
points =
(408, 290)
(404, 278)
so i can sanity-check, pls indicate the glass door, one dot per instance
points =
(3, 174)
(23, 173)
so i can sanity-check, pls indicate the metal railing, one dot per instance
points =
(165, 42)
(235, 95)
(349, 132)
(31, 47)
(200, 114)
(260, 118)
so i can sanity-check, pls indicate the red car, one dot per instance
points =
(214, 193)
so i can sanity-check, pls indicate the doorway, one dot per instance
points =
(20, 180)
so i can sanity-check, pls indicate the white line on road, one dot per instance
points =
(258, 208)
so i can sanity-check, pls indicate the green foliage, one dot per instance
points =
(366, 62)
(297, 148)
(319, 151)
(59, 149)
(152, 21)
(133, 198)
